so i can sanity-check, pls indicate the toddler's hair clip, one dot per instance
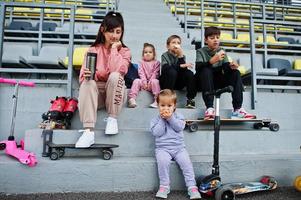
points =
(114, 14)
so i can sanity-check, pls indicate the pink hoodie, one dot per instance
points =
(108, 61)
(148, 70)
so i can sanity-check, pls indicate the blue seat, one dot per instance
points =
(19, 25)
(47, 26)
(284, 67)
(290, 40)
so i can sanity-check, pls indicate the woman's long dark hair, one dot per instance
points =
(111, 20)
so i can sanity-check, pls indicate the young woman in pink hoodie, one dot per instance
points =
(148, 72)
(106, 88)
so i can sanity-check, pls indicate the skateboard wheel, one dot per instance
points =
(107, 155)
(61, 152)
(258, 126)
(297, 183)
(224, 193)
(274, 127)
(193, 127)
(54, 156)
(2, 146)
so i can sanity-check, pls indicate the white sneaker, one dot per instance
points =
(112, 126)
(154, 105)
(86, 140)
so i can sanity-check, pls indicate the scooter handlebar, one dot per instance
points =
(14, 82)
(220, 91)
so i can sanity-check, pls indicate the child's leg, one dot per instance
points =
(205, 76)
(115, 92)
(168, 78)
(233, 78)
(163, 162)
(186, 79)
(155, 87)
(183, 160)
(136, 87)
(88, 103)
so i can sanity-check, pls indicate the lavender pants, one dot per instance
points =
(137, 86)
(164, 158)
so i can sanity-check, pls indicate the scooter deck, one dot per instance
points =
(243, 188)
(94, 146)
(192, 124)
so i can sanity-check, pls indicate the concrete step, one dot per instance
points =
(134, 142)
(92, 174)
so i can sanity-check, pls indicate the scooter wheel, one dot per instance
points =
(224, 193)
(54, 156)
(2, 146)
(274, 127)
(297, 183)
(270, 181)
(107, 155)
(32, 161)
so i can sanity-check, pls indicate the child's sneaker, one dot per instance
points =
(190, 103)
(163, 192)
(112, 126)
(242, 114)
(154, 105)
(194, 193)
(209, 113)
(132, 103)
(86, 140)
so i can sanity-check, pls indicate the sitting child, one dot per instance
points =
(148, 72)
(213, 71)
(175, 72)
(167, 128)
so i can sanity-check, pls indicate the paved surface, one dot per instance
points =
(284, 193)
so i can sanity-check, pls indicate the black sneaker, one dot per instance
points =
(190, 103)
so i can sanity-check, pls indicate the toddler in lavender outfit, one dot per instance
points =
(167, 128)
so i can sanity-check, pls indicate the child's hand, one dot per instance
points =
(234, 65)
(166, 114)
(178, 51)
(217, 57)
(187, 65)
(144, 86)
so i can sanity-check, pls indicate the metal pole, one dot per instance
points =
(70, 52)
(253, 72)
(215, 166)
(14, 111)
(2, 20)
(185, 16)
(202, 24)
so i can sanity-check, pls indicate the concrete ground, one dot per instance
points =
(283, 193)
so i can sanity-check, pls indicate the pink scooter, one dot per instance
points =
(10, 145)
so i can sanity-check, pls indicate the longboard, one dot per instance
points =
(193, 124)
(57, 151)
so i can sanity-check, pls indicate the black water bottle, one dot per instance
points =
(91, 64)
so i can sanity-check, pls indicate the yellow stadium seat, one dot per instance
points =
(297, 64)
(226, 36)
(226, 22)
(270, 41)
(242, 23)
(292, 18)
(26, 11)
(243, 37)
(83, 13)
(78, 57)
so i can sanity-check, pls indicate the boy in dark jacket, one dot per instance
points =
(175, 73)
